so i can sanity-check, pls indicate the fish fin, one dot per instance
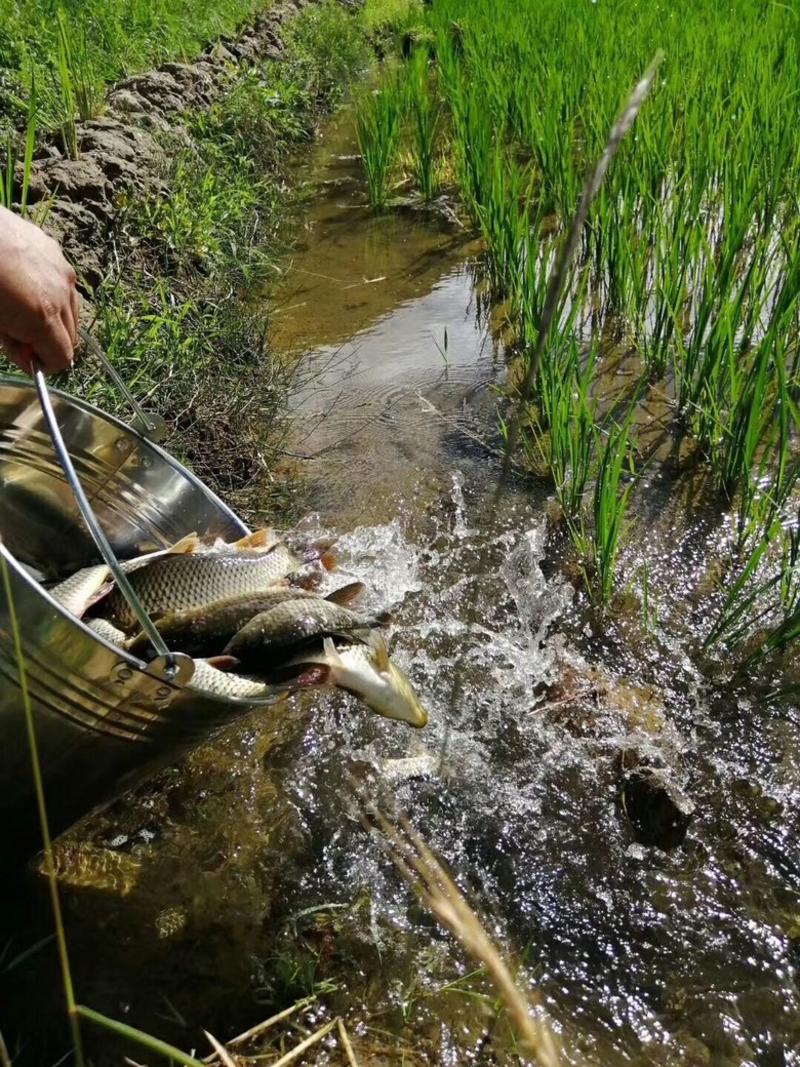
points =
(331, 652)
(223, 663)
(301, 675)
(323, 544)
(145, 548)
(304, 579)
(381, 652)
(346, 593)
(259, 539)
(328, 560)
(187, 545)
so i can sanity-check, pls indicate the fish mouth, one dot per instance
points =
(412, 716)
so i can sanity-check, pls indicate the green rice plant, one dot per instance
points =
(378, 128)
(610, 500)
(507, 223)
(425, 120)
(7, 181)
(64, 71)
(572, 434)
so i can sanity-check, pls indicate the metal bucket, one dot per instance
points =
(103, 718)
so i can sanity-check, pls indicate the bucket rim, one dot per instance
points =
(22, 574)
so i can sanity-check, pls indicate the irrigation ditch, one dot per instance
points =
(607, 646)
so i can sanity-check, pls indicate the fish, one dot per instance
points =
(230, 685)
(90, 584)
(178, 583)
(207, 675)
(78, 592)
(284, 629)
(205, 630)
(363, 670)
(108, 631)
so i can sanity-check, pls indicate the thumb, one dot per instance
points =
(18, 352)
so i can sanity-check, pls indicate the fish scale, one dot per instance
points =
(179, 583)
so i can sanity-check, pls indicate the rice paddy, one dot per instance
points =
(689, 262)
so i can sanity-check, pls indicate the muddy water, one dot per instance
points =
(243, 881)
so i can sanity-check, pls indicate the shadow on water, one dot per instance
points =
(242, 880)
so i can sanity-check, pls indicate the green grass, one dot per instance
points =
(75, 48)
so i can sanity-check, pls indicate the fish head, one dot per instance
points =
(402, 701)
(369, 674)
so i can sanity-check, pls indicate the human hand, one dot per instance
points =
(39, 304)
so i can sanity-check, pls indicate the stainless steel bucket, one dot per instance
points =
(103, 719)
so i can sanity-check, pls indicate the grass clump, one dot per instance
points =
(177, 317)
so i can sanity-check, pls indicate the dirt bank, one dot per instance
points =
(122, 152)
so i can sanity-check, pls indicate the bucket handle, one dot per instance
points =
(147, 424)
(168, 664)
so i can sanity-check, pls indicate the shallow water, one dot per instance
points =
(243, 880)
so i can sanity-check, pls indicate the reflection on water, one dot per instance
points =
(244, 879)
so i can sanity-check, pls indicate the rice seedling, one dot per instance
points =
(564, 430)
(378, 128)
(610, 500)
(7, 180)
(64, 69)
(425, 118)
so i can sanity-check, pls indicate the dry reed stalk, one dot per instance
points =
(438, 892)
(225, 1057)
(259, 1028)
(344, 1037)
(298, 1050)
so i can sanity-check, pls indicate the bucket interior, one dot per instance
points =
(142, 497)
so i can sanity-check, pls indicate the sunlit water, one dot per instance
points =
(245, 879)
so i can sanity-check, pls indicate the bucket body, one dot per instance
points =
(103, 720)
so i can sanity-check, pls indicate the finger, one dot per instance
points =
(52, 345)
(69, 324)
(75, 300)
